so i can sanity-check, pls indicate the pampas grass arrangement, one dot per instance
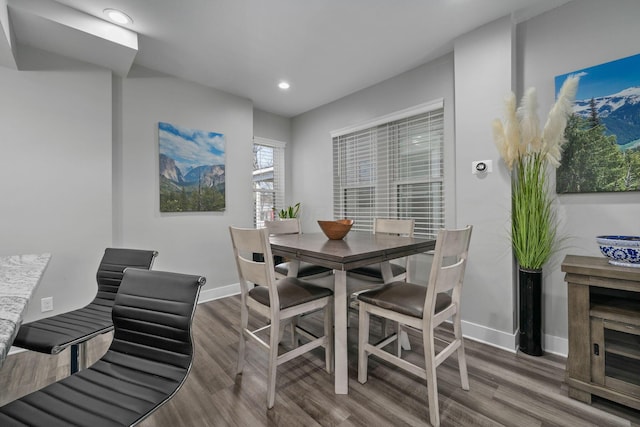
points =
(527, 151)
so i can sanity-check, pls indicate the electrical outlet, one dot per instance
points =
(46, 304)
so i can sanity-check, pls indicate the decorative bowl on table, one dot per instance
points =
(621, 250)
(336, 230)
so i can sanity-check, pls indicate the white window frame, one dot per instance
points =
(277, 171)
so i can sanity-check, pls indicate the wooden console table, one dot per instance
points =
(604, 330)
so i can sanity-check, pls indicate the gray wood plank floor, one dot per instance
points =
(505, 388)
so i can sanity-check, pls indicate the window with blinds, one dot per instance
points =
(268, 179)
(392, 169)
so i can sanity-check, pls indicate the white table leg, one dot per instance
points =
(404, 341)
(385, 269)
(340, 330)
(294, 266)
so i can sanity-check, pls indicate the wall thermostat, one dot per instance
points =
(481, 167)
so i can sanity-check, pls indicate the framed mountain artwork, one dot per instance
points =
(192, 169)
(602, 152)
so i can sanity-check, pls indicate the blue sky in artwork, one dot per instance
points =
(190, 148)
(605, 79)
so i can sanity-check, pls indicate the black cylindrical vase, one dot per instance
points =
(530, 312)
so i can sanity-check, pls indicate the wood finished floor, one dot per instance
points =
(505, 389)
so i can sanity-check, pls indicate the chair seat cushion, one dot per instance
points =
(374, 271)
(291, 292)
(404, 298)
(304, 270)
(53, 334)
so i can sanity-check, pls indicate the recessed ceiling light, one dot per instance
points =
(118, 16)
(284, 85)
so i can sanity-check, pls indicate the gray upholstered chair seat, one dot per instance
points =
(291, 292)
(405, 298)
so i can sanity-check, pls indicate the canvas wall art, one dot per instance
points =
(192, 169)
(602, 153)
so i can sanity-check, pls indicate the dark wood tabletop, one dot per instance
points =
(357, 249)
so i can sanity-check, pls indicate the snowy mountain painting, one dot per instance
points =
(192, 169)
(602, 153)
(619, 113)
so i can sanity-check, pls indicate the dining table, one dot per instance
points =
(357, 249)
(19, 278)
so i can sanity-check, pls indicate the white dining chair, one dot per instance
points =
(277, 301)
(422, 309)
(399, 271)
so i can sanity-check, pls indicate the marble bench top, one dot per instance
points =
(19, 277)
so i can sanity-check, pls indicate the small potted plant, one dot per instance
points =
(290, 212)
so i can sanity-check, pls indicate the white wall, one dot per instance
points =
(271, 126)
(312, 157)
(194, 243)
(483, 77)
(56, 194)
(577, 35)
(277, 128)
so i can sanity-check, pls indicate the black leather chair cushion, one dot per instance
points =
(374, 271)
(304, 270)
(146, 364)
(405, 298)
(54, 334)
(291, 291)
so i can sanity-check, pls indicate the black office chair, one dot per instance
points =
(146, 364)
(53, 334)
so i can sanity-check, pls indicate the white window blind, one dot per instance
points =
(392, 169)
(268, 179)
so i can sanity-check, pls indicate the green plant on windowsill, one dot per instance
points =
(290, 212)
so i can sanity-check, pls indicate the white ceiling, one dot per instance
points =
(326, 49)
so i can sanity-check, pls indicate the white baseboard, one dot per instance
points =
(489, 336)
(483, 334)
(14, 350)
(555, 345)
(473, 331)
(509, 342)
(220, 292)
(493, 337)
